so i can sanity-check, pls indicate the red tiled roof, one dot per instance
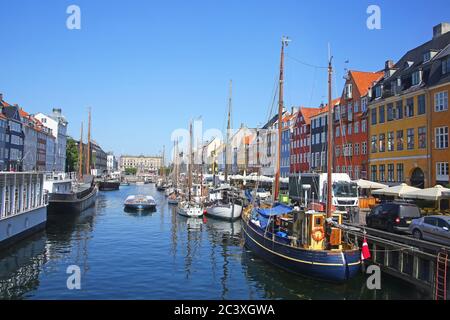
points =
(364, 80)
(324, 109)
(307, 113)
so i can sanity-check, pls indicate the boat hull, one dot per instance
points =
(20, 226)
(323, 265)
(61, 205)
(225, 212)
(140, 207)
(108, 186)
(190, 212)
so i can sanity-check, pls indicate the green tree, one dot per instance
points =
(130, 171)
(71, 155)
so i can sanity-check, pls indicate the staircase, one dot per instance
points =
(441, 276)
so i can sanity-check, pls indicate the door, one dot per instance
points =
(429, 228)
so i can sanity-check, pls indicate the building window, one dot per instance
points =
(399, 110)
(400, 140)
(349, 129)
(356, 149)
(409, 108)
(338, 131)
(441, 137)
(410, 139)
(391, 141)
(382, 173)
(441, 101)
(416, 78)
(356, 109)
(446, 66)
(381, 111)
(382, 142)
(356, 127)
(373, 173)
(391, 172)
(373, 116)
(364, 148)
(422, 135)
(378, 92)
(364, 125)
(400, 175)
(442, 171)
(364, 105)
(422, 106)
(390, 112)
(338, 151)
(344, 130)
(373, 144)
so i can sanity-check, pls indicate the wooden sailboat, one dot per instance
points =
(190, 208)
(174, 198)
(229, 205)
(303, 242)
(66, 197)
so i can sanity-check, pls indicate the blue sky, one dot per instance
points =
(148, 67)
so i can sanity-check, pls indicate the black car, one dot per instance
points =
(393, 216)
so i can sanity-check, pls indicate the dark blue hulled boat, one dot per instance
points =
(280, 236)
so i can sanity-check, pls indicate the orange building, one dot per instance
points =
(351, 129)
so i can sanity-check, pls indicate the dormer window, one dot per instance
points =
(378, 91)
(446, 65)
(348, 91)
(416, 77)
(427, 56)
(408, 64)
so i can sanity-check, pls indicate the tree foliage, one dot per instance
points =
(71, 155)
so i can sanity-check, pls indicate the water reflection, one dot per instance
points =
(20, 267)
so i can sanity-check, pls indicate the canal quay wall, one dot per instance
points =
(412, 260)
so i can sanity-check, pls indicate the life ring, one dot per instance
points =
(318, 234)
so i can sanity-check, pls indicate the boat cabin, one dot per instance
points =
(297, 228)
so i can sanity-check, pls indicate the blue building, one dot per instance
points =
(13, 156)
(285, 165)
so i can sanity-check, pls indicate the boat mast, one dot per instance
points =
(190, 161)
(88, 167)
(228, 129)
(330, 137)
(284, 43)
(80, 154)
(163, 173)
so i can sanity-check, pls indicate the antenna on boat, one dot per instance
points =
(284, 43)
(80, 154)
(88, 166)
(330, 137)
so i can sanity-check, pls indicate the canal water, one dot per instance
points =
(158, 255)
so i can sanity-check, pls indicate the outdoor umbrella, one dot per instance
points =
(432, 194)
(366, 184)
(397, 191)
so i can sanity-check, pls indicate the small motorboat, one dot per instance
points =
(189, 209)
(140, 202)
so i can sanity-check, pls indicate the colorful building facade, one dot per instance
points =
(350, 132)
(402, 107)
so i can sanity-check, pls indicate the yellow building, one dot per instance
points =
(401, 112)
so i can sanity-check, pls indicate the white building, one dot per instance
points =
(111, 162)
(58, 125)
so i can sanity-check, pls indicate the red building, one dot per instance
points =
(351, 127)
(301, 140)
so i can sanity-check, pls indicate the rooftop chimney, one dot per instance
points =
(441, 29)
(389, 64)
(57, 111)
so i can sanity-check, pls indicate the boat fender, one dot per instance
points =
(318, 234)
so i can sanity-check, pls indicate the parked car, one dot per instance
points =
(393, 216)
(262, 194)
(432, 228)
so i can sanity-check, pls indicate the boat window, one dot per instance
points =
(318, 221)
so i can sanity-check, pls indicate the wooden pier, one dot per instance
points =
(421, 263)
